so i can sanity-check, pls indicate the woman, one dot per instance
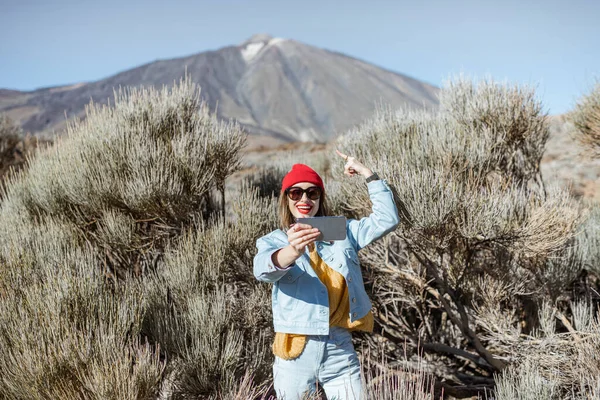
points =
(318, 291)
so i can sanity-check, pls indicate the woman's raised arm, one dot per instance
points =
(384, 217)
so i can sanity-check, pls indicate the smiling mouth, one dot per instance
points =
(304, 209)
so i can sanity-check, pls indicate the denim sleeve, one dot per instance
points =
(382, 220)
(264, 269)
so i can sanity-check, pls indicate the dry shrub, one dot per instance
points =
(524, 383)
(15, 148)
(119, 277)
(392, 379)
(63, 334)
(480, 231)
(555, 365)
(268, 180)
(207, 309)
(11, 146)
(130, 176)
(586, 118)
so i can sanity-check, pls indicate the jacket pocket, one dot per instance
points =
(287, 290)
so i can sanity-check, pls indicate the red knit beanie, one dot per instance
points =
(301, 173)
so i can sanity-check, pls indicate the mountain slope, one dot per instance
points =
(273, 87)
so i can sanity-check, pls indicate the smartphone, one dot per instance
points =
(331, 228)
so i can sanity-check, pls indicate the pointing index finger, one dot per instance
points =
(341, 154)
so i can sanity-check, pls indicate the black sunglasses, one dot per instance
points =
(296, 193)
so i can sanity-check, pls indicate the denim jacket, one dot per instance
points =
(300, 301)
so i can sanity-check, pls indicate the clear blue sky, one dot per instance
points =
(552, 44)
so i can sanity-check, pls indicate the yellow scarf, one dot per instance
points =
(289, 345)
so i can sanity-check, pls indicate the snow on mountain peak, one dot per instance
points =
(253, 46)
(251, 50)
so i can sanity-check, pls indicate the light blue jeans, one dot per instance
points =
(329, 360)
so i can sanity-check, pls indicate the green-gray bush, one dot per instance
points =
(131, 175)
(63, 334)
(96, 301)
(586, 118)
(14, 148)
(524, 383)
(463, 276)
(207, 308)
(10, 138)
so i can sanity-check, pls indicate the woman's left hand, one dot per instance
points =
(354, 167)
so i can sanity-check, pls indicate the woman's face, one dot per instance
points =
(303, 206)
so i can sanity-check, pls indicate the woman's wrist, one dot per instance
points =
(292, 251)
(285, 256)
(291, 254)
(366, 172)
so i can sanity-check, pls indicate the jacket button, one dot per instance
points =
(349, 279)
(353, 315)
(354, 299)
(289, 278)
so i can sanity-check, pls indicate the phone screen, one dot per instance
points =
(331, 228)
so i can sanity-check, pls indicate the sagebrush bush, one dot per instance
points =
(11, 152)
(63, 334)
(483, 243)
(15, 147)
(207, 309)
(524, 383)
(98, 299)
(131, 175)
(586, 118)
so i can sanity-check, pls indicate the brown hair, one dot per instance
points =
(286, 218)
